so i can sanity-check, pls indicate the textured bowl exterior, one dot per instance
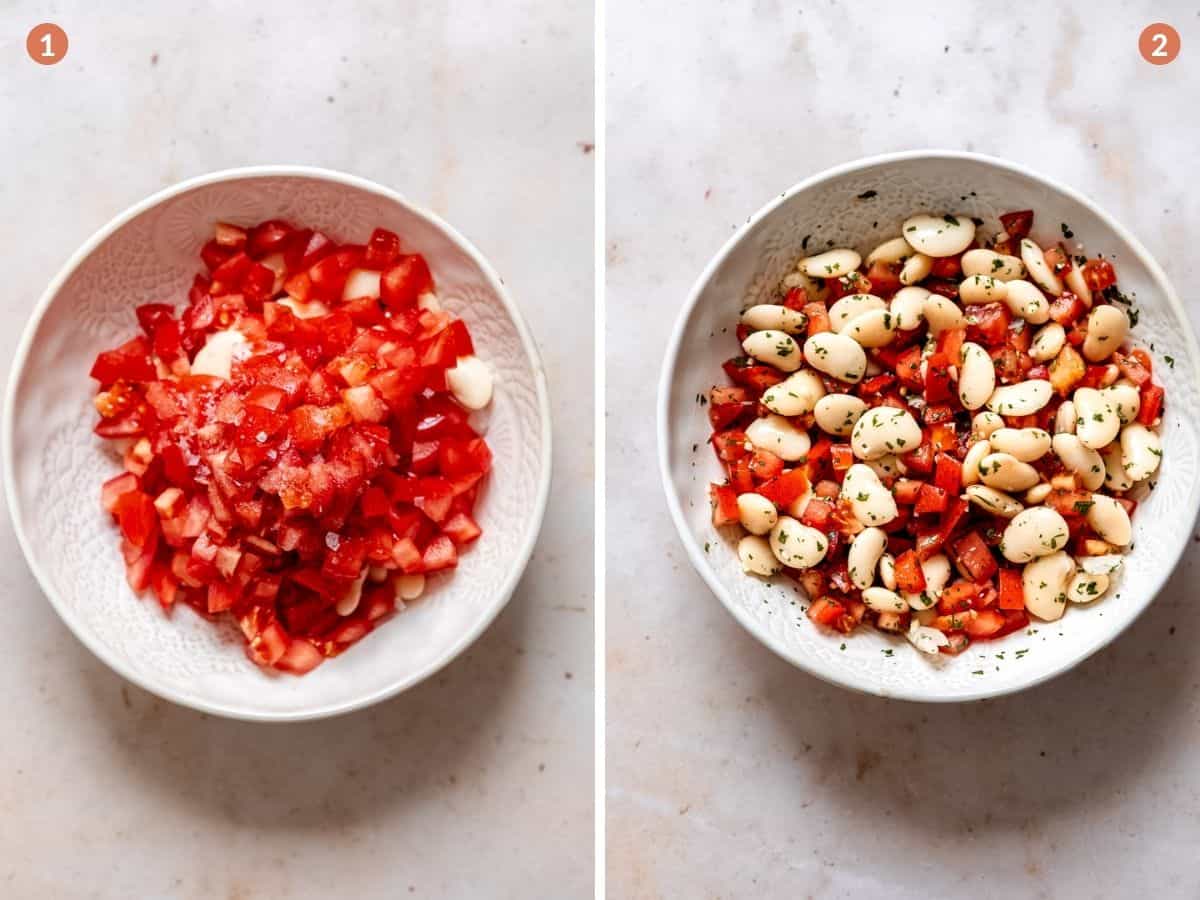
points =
(859, 205)
(54, 465)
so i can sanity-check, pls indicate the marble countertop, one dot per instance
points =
(476, 783)
(731, 774)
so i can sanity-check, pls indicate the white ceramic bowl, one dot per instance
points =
(838, 207)
(54, 466)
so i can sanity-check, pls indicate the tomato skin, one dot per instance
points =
(931, 499)
(1012, 590)
(947, 267)
(990, 327)
(786, 487)
(1099, 274)
(1152, 404)
(1017, 224)
(885, 281)
(403, 283)
(909, 575)
(975, 557)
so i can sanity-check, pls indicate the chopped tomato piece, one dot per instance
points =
(1017, 224)
(1099, 274)
(1012, 591)
(909, 575)
(975, 557)
(931, 499)
(1151, 405)
(724, 505)
(787, 487)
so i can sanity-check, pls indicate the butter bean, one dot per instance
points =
(1042, 275)
(893, 251)
(1000, 266)
(875, 328)
(1038, 531)
(756, 557)
(942, 314)
(884, 430)
(984, 424)
(1048, 342)
(831, 263)
(773, 317)
(871, 502)
(797, 546)
(1116, 477)
(1125, 400)
(781, 437)
(1026, 444)
(1109, 520)
(994, 501)
(775, 348)
(837, 413)
(882, 600)
(1025, 300)
(1085, 587)
(975, 455)
(863, 556)
(1021, 399)
(1096, 423)
(1044, 582)
(916, 269)
(908, 307)
(977, 376)
(836, 355)
(1064, 418)
(982, 289)
(1083, 461)
(938, 236)
(1141, 450)
(1106, 328)
(757, 514)
(1007, 473)
(851, 306)
(796, 395)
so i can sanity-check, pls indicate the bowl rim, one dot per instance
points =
(697, 558)
(504, 591)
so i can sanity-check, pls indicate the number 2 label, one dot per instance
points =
(1159, 44)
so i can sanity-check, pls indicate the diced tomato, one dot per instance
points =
(404, 282)
(439, 554)
(137, 518)
(730, 445)
(300, 657)
(267, 237)
(765, 465)
(1017, 224)
(1012, 591)
(785, 488)
(818, 318)
(957, 597)
(740, 475)
(461, 528)
(841, 456)
(131, 362)
(112, 490)
(948, 476)
(383, 249)
(908, 369)
(920, 461)
(884, 278)
(755, 377)
(1099, 274)
(1151, 404)
(825, 611)
(817, 514)
(943, 437)
(975, 557)
(909, 575)
(985, 623)
(988, 324)
(930, 500)
(906, 491)
(1066, 309)
(946, 267)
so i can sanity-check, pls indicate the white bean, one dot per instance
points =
(836, 355)
(1064, 418)
(1025, 300)
(908, 305)
(1021, 399)
(1096, 423)
(874, 328)
(773, 317)
(1109, 520)
(797, 546)
(942, 314)
(1086, 587)
(775, 348)
(1038, 531)
(1048, 342)
(996, 265)
(796, 395)
(837, 413)
(882, 600)
(863, 556)
(884, 430)
(916, 269)
(1044, 583)
(757, 514)
(984, 425)
(1007, 473)
(1038, 493)
(754, 553)
(349, 601)
(1116, 476)
(1035, 261)
(779, 436)
(982, 289)
(851, 306)
(1106, 328)
(1083, 461)
(994, 501)
(408, 587)
(1141, 450)
(970, 466)
(887, 571)
(939, 236)
(831, 263)
(886, 466)
(872, 503)
(216, 357)
(1078, 285)
(926, 639)
(893, 251)
(1125, 399)
(1026, 444)
(471, 382)
(977, 377)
